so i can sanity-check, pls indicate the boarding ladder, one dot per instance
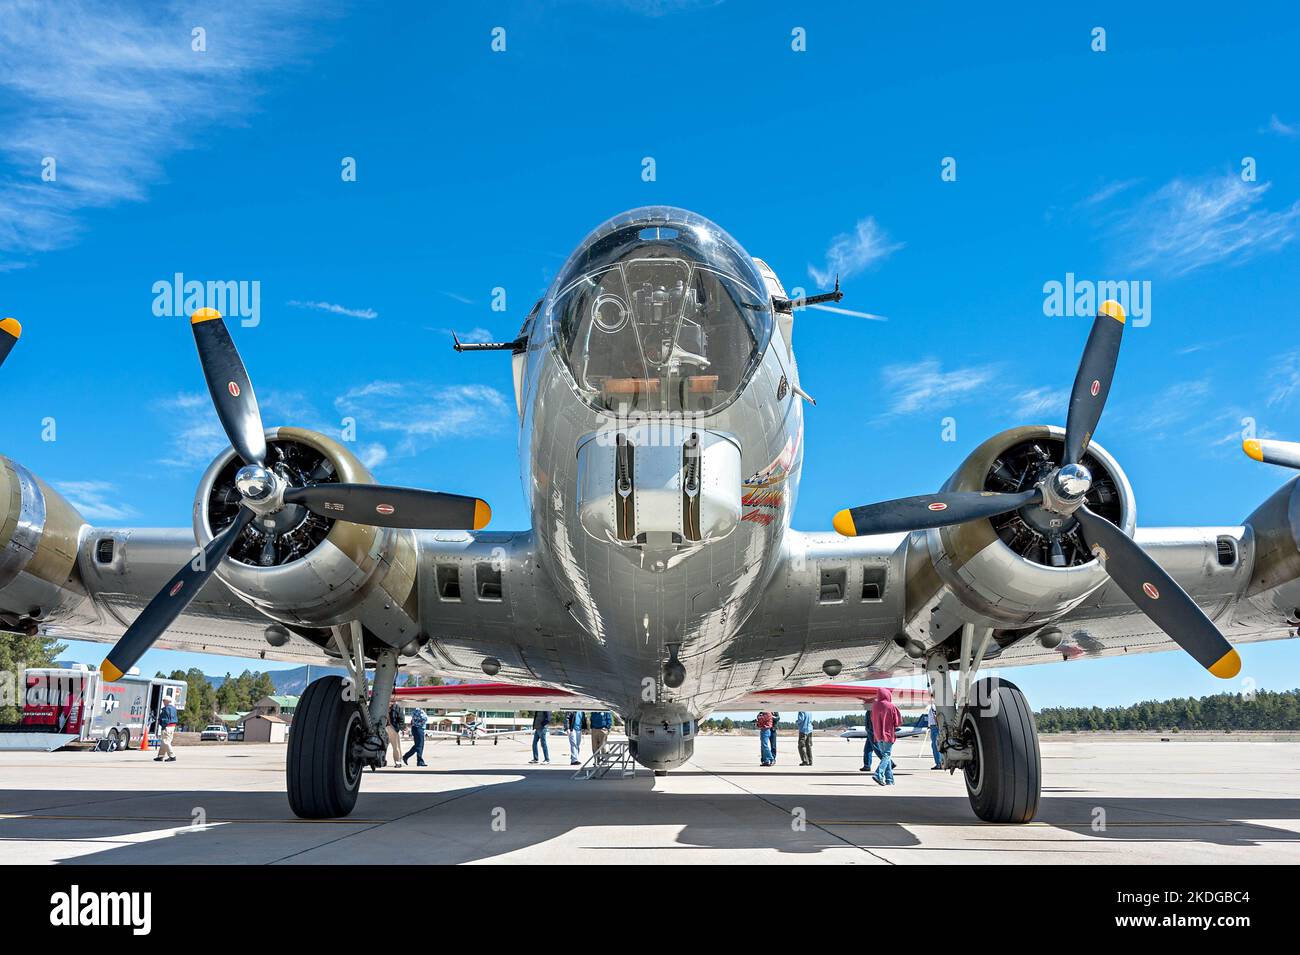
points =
(615, 756)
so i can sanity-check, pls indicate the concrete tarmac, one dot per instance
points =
(1120, 801)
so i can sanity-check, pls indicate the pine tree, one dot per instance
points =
(19, 652)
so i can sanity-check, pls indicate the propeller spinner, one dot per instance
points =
(263, 491)
(1062, 492)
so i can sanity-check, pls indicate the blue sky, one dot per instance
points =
(478, 170)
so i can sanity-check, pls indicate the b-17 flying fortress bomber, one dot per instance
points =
(661, 426)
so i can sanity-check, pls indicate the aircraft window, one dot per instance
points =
(833, 582)
(660, 319)
(488, 579)
(448, 582)
(873, 583)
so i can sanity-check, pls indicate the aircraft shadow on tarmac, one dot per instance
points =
(456, 825)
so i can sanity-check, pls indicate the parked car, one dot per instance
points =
(236, 734)
(214, 731)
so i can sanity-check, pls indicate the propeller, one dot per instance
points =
(264, 491)
(10, 332)
(1285, 453)
(1062, 492)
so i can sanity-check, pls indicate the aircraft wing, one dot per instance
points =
(496, 696)
(823, 696)
(852, 601)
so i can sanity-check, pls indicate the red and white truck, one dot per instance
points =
(66, 706)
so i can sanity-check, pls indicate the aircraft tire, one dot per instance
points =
(323, 769)
(1004, 777)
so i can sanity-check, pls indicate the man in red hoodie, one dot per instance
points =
(885, 721)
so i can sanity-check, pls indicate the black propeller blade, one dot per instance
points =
(382, 506)
(10, 332)
(1092, 383)
(1154, 592)
(169, 602)
(264, 491)
(228, 382)
(1158, 595)
(929, 510)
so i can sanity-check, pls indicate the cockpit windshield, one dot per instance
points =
(659, 311)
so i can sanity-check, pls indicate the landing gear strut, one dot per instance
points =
(987, 730)
(336, 735)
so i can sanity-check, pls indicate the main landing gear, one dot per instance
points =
(335, 735)
(987, 730)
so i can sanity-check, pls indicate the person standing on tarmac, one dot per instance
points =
(167, 720)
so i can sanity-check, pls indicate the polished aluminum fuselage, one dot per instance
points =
(630, 616)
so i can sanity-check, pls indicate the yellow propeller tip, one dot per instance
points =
(204, 315)
(482, 514)
(1253, 449)
(1113, 309)
(111, 673)
(843, 524)
(1227, 666)
(11, 326)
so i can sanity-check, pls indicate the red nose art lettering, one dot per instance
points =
(1096, 388)
(233, 389)
(384, 508)
(1150, 591)
(176, 588)
(938, 506)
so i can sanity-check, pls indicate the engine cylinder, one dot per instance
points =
(305, 570)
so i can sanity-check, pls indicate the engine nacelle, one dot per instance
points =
(305, 570)
(39, 537)
(1000, 572)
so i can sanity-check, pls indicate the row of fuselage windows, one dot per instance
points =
(486, 577)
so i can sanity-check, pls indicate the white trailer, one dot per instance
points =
(65, 706)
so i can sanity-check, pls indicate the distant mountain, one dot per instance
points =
(289, 682)
(293, 682)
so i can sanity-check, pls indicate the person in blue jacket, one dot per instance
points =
(803, 722)
(600, 722)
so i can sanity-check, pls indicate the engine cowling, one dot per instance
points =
(308, 571)
(1001, 570)
(39, 536)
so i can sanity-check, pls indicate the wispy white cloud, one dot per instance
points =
(196, 435)
(1284, 378)
(109, 91)
(924, 386)
(1276, 125)
(392, 419)
(1107, 192)
(456, 297)
(96, 500)
(416, 416)
(1173, 405)
(1190, 224)
(1034, 403)
(854, 252)
(848, 311)
(336, 309)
